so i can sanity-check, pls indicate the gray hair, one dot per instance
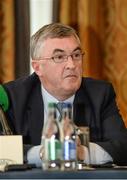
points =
(53, 30)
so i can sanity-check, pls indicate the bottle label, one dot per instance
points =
(69, 150)
(52, 149)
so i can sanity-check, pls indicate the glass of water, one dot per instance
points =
(83, 136)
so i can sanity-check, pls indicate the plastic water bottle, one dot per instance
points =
(69, 138)
(51, 142)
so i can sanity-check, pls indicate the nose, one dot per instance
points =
(71, 62)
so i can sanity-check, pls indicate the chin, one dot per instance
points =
(72, 89)
(72, 86)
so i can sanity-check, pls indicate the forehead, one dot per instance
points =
(66, 44)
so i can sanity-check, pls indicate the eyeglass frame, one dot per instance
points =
(65, 57)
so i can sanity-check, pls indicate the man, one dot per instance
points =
(57, 61)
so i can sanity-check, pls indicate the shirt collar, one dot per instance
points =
(47, 97)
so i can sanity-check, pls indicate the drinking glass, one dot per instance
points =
(83, 135)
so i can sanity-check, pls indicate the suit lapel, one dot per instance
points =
(84, 112)
(82, 108)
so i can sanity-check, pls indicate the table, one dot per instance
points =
(37, 173)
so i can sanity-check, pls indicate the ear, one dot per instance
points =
(37, 67)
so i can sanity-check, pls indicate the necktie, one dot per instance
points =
(60, 106)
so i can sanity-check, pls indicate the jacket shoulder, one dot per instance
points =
(24, 83)
(96, 83)
(19, 90)
(90, 80)
(97, 89)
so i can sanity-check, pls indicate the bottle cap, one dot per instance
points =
(51, 105)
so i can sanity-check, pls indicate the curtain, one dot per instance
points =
(7, 49)
(102, 27)
(14, 39)
(22, 38)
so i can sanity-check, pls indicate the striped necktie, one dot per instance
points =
(60, 106)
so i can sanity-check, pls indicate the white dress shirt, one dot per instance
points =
(97, 154)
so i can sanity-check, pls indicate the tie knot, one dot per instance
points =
(60, 106)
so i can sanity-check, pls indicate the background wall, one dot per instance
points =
(40, 14)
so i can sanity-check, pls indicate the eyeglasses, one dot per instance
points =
(76, 56)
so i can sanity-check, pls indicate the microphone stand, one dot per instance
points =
(4, 123)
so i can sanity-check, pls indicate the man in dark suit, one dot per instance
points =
(57, 61)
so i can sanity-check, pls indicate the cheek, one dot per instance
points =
(46, 69)
(80, 68)
(53, 74)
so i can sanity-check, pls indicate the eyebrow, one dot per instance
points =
(61, 50)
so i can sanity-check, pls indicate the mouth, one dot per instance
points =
(71, 76)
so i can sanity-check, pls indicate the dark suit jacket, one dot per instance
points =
(94, 106)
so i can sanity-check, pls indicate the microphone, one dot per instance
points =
(4, 102)
(4, 105)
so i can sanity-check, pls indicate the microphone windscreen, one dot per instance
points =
(4, 101)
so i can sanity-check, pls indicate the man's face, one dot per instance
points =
(59, 79)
